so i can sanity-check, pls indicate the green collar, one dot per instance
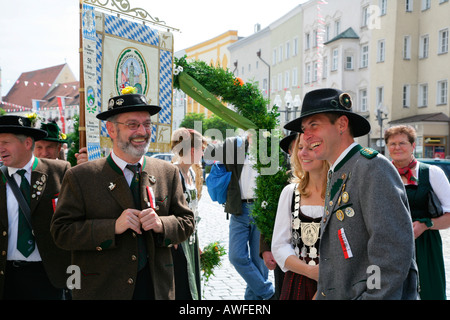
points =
(350, 154)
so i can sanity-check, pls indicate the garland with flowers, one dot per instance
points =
(252, 106)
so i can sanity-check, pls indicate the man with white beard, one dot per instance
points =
(121, 214)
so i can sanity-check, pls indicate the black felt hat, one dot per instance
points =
(128, 103)
(330, 101)
(20, 125)
(285, 143)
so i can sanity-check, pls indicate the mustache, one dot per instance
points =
(145, 136)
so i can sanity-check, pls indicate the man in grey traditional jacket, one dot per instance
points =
(367, 241)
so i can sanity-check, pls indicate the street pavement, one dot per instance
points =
(226, 283)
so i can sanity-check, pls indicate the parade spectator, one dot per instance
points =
(121, 214)
(419, 178)
(32, 267)
(243, 233)
(187, 146)
(367, 242)
(295, 242)
(50, 147)
(286, 144)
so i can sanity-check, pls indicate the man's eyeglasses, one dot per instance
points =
(134, 125)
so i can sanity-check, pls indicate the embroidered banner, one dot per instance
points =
(129, 53)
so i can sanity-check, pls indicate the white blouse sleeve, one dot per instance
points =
(281, 237)
(441, 186)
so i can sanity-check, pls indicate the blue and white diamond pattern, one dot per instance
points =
(131, 30)
(165, 87)
(94, 151)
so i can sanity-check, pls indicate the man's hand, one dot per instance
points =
(150, 221)
(269, 260)
(129, 219)
(82, 155)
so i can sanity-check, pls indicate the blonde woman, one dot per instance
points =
(295, 241)
(187, 146)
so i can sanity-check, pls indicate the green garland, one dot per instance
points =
(248, 102)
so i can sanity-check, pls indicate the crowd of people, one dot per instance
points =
(350, 223)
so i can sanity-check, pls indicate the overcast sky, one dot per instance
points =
(36, 34)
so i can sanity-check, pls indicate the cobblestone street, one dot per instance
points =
(227, 284)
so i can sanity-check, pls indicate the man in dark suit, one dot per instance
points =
(31, 265)
(121, 239)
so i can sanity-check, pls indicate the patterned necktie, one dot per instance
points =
(134, 186)
(25, 238)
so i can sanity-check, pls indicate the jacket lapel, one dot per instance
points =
(115, 183)
(38, 183)
(3, 209)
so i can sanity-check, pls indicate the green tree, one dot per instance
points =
(190, 118)
(73, 142)
(218, 123)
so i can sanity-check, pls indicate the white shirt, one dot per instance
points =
(282, 232)
(13, 216)
(122, 165)
(247, 181)
(342, 156)
(440, 185)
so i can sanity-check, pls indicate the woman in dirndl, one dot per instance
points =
(187, 146)
(296, 234)
(418, 179)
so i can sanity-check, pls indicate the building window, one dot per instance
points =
(274, 56)
(442, 92)
(406, 96)
(383, 7)
(363, 100)
(380, 96)
(443, 41)
(308, 73)
(337, 27)
(288, 50)
(307, 41)
(315, 71)
(280, 82)
(280, 53)
(423, 95)
(426, 4)
(409, 5)
(365, 16)
(287, 82)
(349, 63)
(327, 32)
(406, 47)
(295, 47)
(334, 64)
(325, 68)
(424, 45)
(381, 51)
(295, 77)
(314, 39)
(364, 56)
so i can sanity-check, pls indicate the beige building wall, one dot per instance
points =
(412, 80)
(213, 52)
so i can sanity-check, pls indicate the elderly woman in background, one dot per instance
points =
(419, 178)
(187, 146)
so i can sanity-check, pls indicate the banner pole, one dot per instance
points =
(82, 119)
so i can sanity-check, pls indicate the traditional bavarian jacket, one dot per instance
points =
(367, 241)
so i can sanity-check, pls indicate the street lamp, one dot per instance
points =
(291, 105)
(382, 114)
(258, 53)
